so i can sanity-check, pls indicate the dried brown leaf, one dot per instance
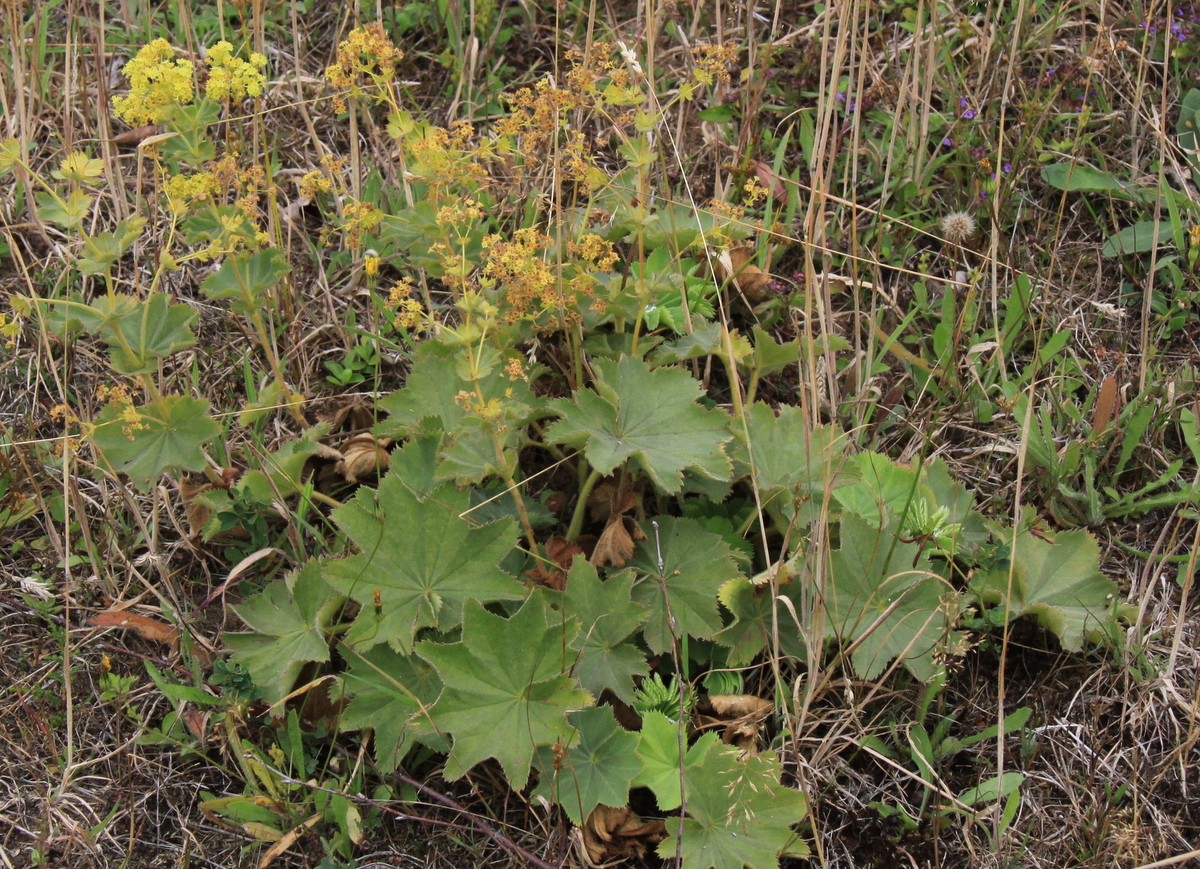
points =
(561, 553)
(747, 277)
(146, 627)
(133, 138)
(1106, 405)
(197, 514)
(363, 456)
(616, 543)
(740, 705)
(613, 834)
(771, 181)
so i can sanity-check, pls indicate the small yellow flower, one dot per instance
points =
(231, 79)
(157, 81)
(371, 265)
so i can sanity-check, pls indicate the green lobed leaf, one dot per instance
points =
(649, 415)
(755, 618)
(771, 356)
(102, 250)
(869, 573)
(658, 750)
(792, 460)
(247, 278)
(223, 226)
(883, 491)
(67, 212)
(506, 690)
(607, 657)
(432, 389)
(390, 694)
(1057, 581)
(599, 769)
(738, 814)
(169, 434)
(139, 333)
(288, 621)
(469, 455)
(420, 558)
(696, 563)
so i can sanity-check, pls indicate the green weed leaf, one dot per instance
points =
(140, 333)
(648, 415)
(870, 573)
(247, 278)
(1056, 580)
(65, 212)
(390, 693)
(884, 490)
(607, 658)
(505, 689)
(431, 389)
(658, 749)
(288, 621)
(102, 250)
(419, 560)
(696, 563)
(738, 814)
(792, 459)
(166, 434)
(1143, 237)
(599, 769)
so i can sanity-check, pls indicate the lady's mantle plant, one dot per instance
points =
(569, 334)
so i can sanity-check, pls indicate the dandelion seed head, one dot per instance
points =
(958, 226)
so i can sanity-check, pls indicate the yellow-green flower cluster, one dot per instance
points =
(367, 51)
(9, 330)
(156, 82)
(183, 191)
(231, 79)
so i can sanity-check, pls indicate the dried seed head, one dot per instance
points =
(958, 226)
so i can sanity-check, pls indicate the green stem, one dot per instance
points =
(581, 505)
(269, 350)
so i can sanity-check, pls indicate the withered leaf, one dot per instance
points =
(146, 627)
(561, 552)
(197, 513)
(133, 138)
(747, 277)
(363, 456)
(616, 543)
(739, 705)
(771, 181)
(612, 834)
(1106, 403)
(350, 416)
